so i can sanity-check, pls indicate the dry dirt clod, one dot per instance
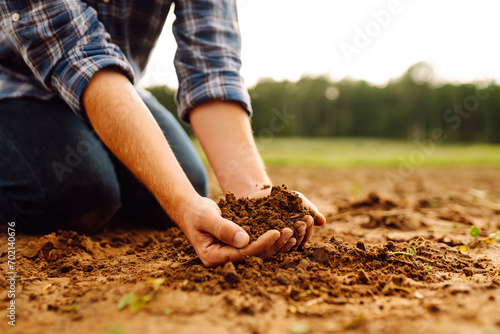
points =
(229, 273)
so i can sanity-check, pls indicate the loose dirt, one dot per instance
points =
(396, 255)
(281, 208)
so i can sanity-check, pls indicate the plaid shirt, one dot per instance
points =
(53, 47)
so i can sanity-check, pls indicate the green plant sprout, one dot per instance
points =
(474, 231)
(312, 291)
(71, 308)
(428, 269)
(495, 236)
(137, 302)
(490, 239)
(410, 251)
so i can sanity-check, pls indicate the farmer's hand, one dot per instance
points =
(304, 228)
(202, 223)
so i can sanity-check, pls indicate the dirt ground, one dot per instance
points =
(395, 256)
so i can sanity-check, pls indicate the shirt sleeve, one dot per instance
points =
(207, 60)
(63, 43)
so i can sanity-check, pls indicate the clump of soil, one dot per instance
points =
(54, 246)
(282, 208)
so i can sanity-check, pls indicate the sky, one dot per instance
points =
(372, 40)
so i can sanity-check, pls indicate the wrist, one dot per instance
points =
(178, 204)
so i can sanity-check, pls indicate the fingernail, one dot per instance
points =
(240, 239)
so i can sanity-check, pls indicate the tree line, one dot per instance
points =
(410, 107)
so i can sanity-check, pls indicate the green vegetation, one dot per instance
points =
(491, 239)
(320, 123)
(312, 291)
(428, 269)
(344, 152)
(411, 107)
(495, 236)
(474, 231)
(411, 251)
(136, 302)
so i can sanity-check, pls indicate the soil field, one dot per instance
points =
(395, 256)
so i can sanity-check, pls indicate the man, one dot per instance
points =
(75, 131)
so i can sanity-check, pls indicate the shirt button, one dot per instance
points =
(16, 17)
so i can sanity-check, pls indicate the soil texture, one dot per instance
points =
(395, 256)
(282, 208)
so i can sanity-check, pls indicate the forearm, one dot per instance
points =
(125, 125)
(223, 129)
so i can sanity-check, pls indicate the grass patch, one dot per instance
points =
(353, 152)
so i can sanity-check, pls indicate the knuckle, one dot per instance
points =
(222, 232)
(299, 224)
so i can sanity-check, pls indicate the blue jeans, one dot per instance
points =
(55, 173)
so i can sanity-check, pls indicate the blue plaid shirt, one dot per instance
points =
(53, 47)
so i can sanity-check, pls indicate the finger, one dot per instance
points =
(218, 254)
(227, 232)
(263, 244)
(320, 220)
(285, 235)
(291, 242)
(300, 232)
(309, 230)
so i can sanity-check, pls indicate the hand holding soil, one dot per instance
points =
(274, 208)
(278, 223)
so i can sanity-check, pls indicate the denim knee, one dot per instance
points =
(199, 179)
(83, 201)
(54, 172)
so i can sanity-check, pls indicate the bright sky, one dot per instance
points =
(374, 40)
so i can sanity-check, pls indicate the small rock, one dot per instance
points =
(88, 245)
(434, 308)
(178, 242)
(468, 272)
(320, 255)
(31, 250)
(418, 295)
(229, 273)
(283, 278)
(304, 264)
(363, 277)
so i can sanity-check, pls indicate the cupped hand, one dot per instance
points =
(203, 225)
(303, 228)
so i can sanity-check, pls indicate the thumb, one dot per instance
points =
(229, 233)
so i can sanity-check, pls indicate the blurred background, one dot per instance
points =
(337, 83)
